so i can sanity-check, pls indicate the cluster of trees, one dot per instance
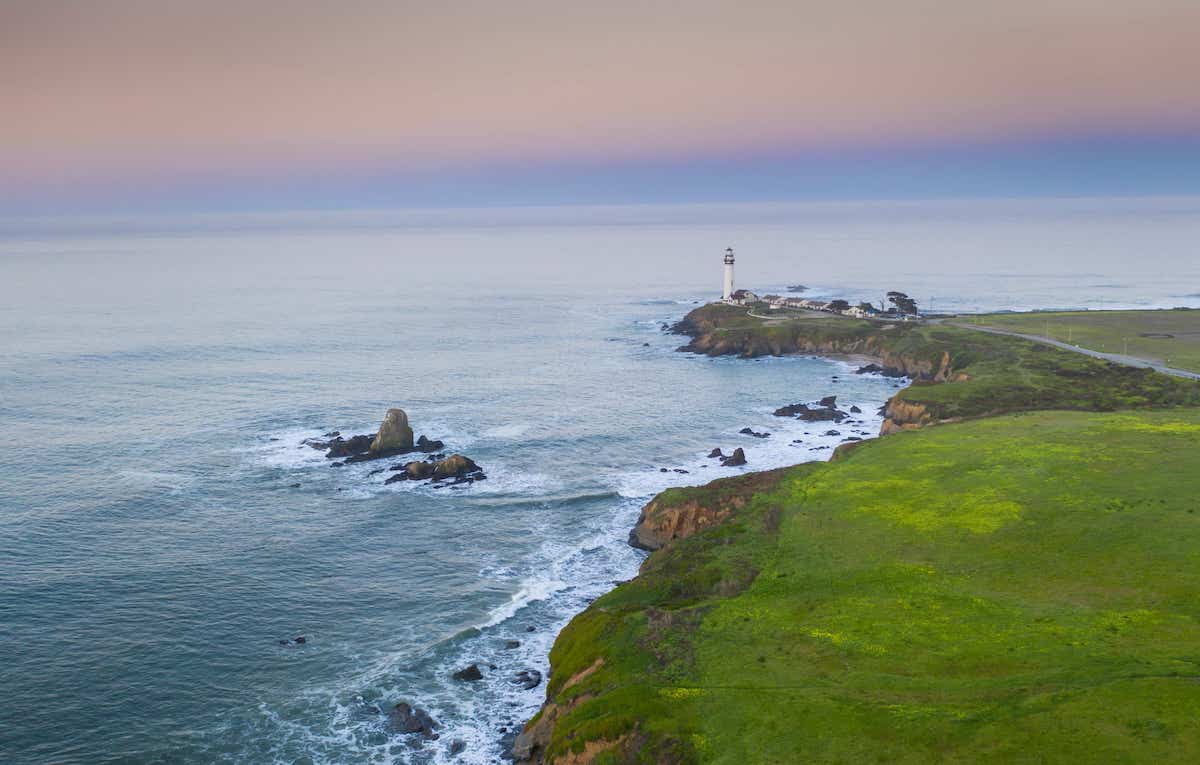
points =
(903, 303)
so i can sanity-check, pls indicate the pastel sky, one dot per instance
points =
(274, 103)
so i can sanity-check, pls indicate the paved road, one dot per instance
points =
(1114, 357)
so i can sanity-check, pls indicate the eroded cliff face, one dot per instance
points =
(680, 513)
(901, 415)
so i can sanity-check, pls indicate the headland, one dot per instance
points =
(1016, 583)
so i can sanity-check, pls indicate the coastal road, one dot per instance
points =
(1117, 358)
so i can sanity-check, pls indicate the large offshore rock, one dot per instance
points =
(394, 434)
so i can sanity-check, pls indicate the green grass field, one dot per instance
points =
(1013, 589)
(1168, 337)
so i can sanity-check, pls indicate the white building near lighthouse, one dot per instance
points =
(727, 295)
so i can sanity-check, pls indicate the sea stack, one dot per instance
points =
(394, 434)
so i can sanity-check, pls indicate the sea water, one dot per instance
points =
(163, 527)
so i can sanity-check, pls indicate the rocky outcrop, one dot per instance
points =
(454, 469)
(348, 447)
(405, 718)
(680, 513)
(819, 413)
(737, 459)
(901, 415)
(394, 436)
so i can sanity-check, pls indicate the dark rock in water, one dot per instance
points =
(295, 486)
(455, 469)
(851, 438)
(355, 445)
(531, 628)
(454, 466)
(429, 445)
(300, 640)
(875, 369)
(528, 679)
(752, 432)
(734, 460)
(832, 433)
(645, 345)
(662, 470)
(797, 441)
(405, 718)
(681, 471)
(511, 644)
(855, 410)
(715, 453)
(285, 642)
(470, 674)
(377, 471)
(457, 746)
(812, 414)
(337, 464)
(828, 401)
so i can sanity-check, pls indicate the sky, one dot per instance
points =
(130, 105)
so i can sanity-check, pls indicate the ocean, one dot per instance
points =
(163, 528)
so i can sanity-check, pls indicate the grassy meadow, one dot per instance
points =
(1019, 588)
(1167, 337)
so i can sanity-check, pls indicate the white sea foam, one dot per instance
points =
(512, 430)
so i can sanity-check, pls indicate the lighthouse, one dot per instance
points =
(728, 294)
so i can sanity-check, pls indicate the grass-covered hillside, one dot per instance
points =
(1014, 589)
(983, 373)
(1166, 337)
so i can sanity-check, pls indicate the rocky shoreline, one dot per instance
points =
(681, 571)
(677, 514)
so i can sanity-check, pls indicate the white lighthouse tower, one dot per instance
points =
(728, 294)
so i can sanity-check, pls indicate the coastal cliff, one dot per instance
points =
(957, 373)
(681, 512)
(778, 610)
(923, 597)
